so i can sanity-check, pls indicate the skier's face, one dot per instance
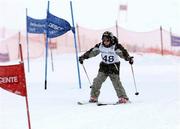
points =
(106, 41)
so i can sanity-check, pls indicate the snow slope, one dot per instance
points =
(156, 107)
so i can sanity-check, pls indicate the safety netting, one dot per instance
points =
(156, 41)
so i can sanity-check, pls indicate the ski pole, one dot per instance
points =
(86, 74)
(137, 93)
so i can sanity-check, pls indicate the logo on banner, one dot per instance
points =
(56, 26)
(12, 78)
(37, 26)
(9, 80)
(53, 26)
(175, 40)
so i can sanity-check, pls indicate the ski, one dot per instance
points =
(99, 103)
(84, 103)
(105, 104)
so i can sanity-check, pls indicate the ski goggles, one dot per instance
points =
(105, 39)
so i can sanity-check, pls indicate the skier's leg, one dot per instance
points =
(120, 91)
(97, 83)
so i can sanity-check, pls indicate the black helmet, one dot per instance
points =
(108, 35)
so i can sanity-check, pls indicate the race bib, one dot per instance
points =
(108, 54)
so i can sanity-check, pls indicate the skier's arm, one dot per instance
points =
(122, 52)
(90, 53)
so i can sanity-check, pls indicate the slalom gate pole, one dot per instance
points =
(46, 53)
(52, 61)
(52, 64)
(86, 74)
(75, 45)
(26, 96)
(137, 93)
(27, 40)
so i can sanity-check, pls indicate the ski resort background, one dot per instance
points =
(36, 45)
(157, 41)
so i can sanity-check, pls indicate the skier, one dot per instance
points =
(110, 49)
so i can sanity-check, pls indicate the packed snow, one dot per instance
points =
(156, 107)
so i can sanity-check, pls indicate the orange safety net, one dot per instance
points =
(156, 41)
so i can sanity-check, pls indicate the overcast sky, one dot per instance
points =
(141, 16)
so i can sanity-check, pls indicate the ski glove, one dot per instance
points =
(131, 61)
(81, 59)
